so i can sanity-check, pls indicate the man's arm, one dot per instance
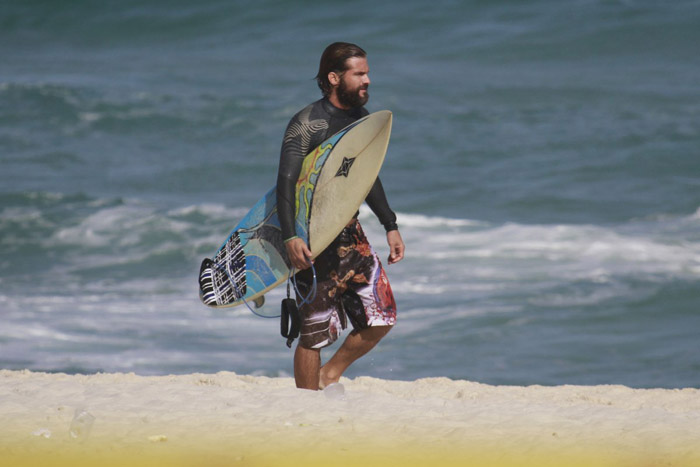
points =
(291, 160)
(295, 147)
(297, 250)
(377, 202)
(396, 246)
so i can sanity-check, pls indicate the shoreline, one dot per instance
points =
(230, 419)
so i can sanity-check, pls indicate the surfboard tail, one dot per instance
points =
(222, 280)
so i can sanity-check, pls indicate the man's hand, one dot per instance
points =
(396, 246)
(299, 254)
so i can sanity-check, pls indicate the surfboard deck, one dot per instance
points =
(334, 181)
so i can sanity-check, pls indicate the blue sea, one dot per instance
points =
(544, 165)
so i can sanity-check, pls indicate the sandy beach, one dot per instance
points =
(230, 419)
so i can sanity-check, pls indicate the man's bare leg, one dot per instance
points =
(307, 363)
(357, 344)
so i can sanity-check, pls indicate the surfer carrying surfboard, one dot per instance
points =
(351, 282)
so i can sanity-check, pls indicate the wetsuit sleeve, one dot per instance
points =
(302, 132)
(377, 202)
(291, 160)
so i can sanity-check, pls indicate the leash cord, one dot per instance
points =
(311, 296)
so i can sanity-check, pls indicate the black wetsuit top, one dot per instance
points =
(306, 130)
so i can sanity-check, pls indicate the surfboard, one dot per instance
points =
(334, 181)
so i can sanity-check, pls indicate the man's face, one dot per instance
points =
(352, 90)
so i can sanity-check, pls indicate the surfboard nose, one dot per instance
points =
(385, 119)
(385, 116)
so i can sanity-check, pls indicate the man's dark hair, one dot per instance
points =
(334, 59)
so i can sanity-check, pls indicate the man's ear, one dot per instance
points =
(334, 78)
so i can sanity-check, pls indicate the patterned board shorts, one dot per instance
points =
(351, 286)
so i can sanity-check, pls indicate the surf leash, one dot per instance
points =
(312, 292)
(235, 287)
(290, 307)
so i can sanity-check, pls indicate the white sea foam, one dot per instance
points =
(479, 265)
(591, 248)
(90, 117)
(443, 257)
(129, 223)
(23, 216)
(695, 215)
(419, 220)
(99, 228)
(454, 271)
(211, 210)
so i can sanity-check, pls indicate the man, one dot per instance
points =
(351, 282)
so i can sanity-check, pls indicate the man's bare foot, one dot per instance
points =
(324, 380)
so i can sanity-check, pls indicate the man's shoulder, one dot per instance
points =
(309, 121)
(310, 112)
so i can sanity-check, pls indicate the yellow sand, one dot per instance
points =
(228, 419)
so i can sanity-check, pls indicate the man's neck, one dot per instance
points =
(333, 99)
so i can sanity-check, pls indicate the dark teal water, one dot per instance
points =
(544, 164)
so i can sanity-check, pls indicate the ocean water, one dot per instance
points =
(544, 165)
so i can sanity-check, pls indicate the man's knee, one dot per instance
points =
(374, 333)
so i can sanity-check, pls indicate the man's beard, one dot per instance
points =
(351, 98)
